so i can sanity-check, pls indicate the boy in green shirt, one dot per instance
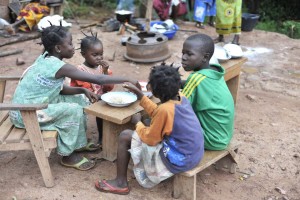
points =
(207, 92)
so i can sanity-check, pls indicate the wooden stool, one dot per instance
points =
(56, 9)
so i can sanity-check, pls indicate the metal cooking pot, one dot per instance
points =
(123, 15)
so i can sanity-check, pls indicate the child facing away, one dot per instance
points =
(172, 143)
(207, 92)
(43, 82)
(92, 52)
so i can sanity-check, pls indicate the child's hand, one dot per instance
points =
(136, 118)
(105, 66)
(136, 84)
(134, 89)
(91, 96)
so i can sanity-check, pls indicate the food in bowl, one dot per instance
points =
(119, 99)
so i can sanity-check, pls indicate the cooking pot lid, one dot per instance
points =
(123, 12)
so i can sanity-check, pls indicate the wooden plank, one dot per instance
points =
(149, 14)
(209, 158)
(5, 129)
(3, 116)
(23, 37)
(32, 126)
(15, 135)
(9, 106)
(184, 187)
(47, 136)
(233, 86)
(26, 146)
(114, 114)
(233, 63)
(10, 78)
(111, 132)
(2, 90)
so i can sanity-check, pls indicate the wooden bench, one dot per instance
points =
(30, 138)
(184, 184)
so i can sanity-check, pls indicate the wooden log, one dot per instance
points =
(12, 52)
(22, 38)
(149, 14)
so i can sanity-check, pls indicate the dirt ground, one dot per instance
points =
(266, 123)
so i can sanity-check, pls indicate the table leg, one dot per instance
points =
(233, 86)
(111, 132)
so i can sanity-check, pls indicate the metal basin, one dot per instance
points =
(147, 47)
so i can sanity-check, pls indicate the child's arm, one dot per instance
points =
(161, 124)
(76, 83)
(67, 90)
(105, 70)
(72, 72)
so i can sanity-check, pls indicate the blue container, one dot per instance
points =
(170, 33)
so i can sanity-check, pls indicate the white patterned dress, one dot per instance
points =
(64, 113)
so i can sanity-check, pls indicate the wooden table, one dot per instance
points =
(115, 120)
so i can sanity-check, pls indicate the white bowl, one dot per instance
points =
(235, 51)
(119, 99)
(221, 54)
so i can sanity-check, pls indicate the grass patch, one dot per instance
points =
(289, 28)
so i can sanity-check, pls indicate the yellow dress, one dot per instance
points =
(32, 13)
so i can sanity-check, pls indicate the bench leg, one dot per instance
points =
(228, 162)
(32, 126)
(184, 187)
(111, 132)
(233, 86)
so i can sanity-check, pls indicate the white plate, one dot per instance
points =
(221, 54)
(235, 51)
(119, 99)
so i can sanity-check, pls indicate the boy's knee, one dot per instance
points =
(125, 136)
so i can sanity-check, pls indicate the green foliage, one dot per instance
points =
(291, 28)
(267, 26)
(278, 16)
(279, 10)
(83, 8)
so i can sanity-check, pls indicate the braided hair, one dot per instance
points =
(164, 81)
(88, 41)
(53, 35)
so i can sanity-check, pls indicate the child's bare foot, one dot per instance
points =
(200, 25)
